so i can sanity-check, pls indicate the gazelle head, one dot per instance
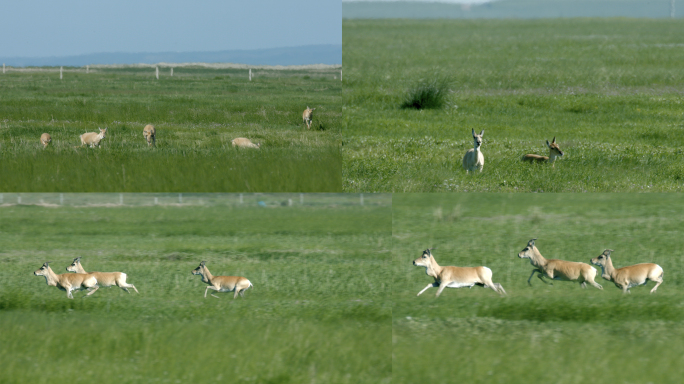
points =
(74, 266)
(44, 270)
(199, 270)
(477, 138)
(602, 259)
(528, 251)
(554, 148)
(102, 132)
(425, 259)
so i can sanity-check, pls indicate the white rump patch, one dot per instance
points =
(456, 284)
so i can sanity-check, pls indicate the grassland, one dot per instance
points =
(609, 90)
(319, 310)
(197, 113)
(559, 333)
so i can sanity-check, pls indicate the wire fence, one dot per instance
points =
(195, 199)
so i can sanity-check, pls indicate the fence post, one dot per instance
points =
(18, 199)
(180, 198)
(289, 202)
(241, 198)
(362, 199)
(157, 68)
(250, 74)
(61, 199)
(2, 198)
(120, 198)
(301, 198)
(87, 68)
(340, 75)
(171, 71)
(156, 200)
(3, 68)
(60, 73)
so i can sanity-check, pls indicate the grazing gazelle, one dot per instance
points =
(631, 276)
(554, 151)
(307, 115)
(104, 279)
(93, 138)
(558, 269)
(241, 142)
(149, 132)
(68, 281)
(222, 283)
(45, 139)
(474, 159)
(455, 277)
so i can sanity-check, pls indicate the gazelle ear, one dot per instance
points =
(473, 130)
(531, 243)
(482, 132)
(547, 144)
(554, 140)
(202, 263)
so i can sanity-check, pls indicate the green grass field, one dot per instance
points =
(319, 311)
(559, 333)
(197, 113)
(609, 90)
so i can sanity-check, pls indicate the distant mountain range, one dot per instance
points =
(304, 55)
(510, 9)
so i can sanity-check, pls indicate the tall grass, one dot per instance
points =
(197, 113)
(319, 310)
(575, 334)
(427, 94)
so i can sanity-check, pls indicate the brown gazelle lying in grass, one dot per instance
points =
(222, 283)
(104, 279)
(455, 277)
(45, 139)
(241, 142)
(307, 115)
(149, 133)
(631, 276)
(474, 159)
(558, 269)
(554, 151)
(68, 281)
(93, 138)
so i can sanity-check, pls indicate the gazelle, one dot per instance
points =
(455, 277)
(474, 159)
(554, 151)
(307, 115)
(241, 142)
(93, 138)
(68, 281)
(45, 139)
(628, 277)
(149, 133)
(222, 283)
(558, 269)
(104, 279)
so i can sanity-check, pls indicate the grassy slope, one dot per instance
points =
(197, 113)
(558, 333)
(610, 90)
(319, 309)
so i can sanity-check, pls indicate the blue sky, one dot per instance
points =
(41, 28)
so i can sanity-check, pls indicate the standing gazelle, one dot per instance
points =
(68, 281)
(93, 138)
(307, 115)
(631, 276)
(104, 279)
(554, 151)
(222, 283)
(558, 269)
(474, 159)
(149, 133)
(455, 277)
(45, 139)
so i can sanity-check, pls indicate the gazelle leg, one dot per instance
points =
(656, 286)
(596, 285)
(441, 288)
(92, 290)
(529, 281)
(428, 287)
